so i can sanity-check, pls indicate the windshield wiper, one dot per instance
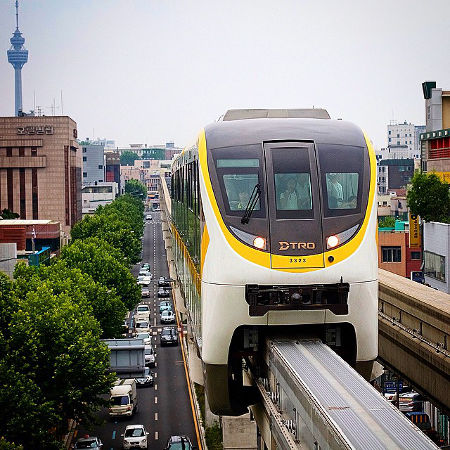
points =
(253, 200)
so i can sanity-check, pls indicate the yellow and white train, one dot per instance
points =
(274, 217)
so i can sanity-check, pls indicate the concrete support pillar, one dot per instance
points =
(239, 432)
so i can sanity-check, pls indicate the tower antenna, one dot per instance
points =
(17, 14)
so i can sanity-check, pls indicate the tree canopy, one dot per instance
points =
(127, 158)
(429, 198)
(136, 189)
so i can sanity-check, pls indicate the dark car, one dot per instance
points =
(146, 380)
(91, 442)
(169, 336)
(179, 443)
(165, 282)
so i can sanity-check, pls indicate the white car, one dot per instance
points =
(145, 336)
(142, 310)
(141, 326)
(145, 281)
(135, 436)
(145, 273)
(167, 317)
(149, 217)
(149, 355)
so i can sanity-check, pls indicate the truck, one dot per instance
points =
(123, 398)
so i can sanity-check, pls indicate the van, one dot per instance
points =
(123, 398)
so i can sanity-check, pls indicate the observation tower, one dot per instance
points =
(17, 56)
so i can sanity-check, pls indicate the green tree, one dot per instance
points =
(136, 189)
(387, 222)
(128, 158)
(54, 369)
(103, 303)
(429, 198)
(7, 214)
(5, 445)
(96, 258)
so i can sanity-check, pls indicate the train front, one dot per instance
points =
(289, 244)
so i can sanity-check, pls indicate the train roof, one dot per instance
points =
(253, 131)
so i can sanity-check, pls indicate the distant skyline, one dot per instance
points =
(154, 71)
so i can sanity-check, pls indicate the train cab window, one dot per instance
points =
(239, 188)
(293, 191)
(342, 190)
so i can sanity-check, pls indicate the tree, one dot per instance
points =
(387, 222)
(128, 158)
(96, 258)
(54, 369)
(136, 189)
(8, 214)
(429, 198)
(100, 301)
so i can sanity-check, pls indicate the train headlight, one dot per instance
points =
(332, 241)
(342, 237)
(259, 242)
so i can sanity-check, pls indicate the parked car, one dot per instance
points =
(146, 380)
(149, 355)
(135, 436)
(163, 293)
(167, 317)
(410, 401)
(165, 306)
(141, 326)
(179, 443)
(145, 280)
(145, 272)
(169, 336)
(142, 310)
(145, 292)
(145, 336)
(91, 442)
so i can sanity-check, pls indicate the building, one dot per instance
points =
(159, 152)
(112, 171)
(98, 194)
(403, 140)
(93, 162)
(394, 174)
(394, 252)
(436, 247)
(40, 169)
(435, 141)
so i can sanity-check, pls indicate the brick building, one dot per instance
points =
(40, 168)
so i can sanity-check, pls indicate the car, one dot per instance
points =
(145, 281)
(142, 310)
(145, 337)
(167, 317)
(165, 306)
(410, 401)
(91, 442)
(141, 326)
(146, 380)
(179, 443)
(168, 336)
(149, 355)
(145, 292)
(145, 266)
(163, 293)
(145, 273)
(135, 436)
(149, 217)
(164, 282)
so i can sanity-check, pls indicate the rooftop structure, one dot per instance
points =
(17, 56)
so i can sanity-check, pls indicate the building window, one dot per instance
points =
(84, 149)
(391, 254)
(84, 158)
(84, 174)
(434, 265)
(398, 135)
(415, 255)
(389, 139)
(100, 166)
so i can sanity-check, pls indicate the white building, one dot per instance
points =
(436, 246)
(98, 194)
(404, 140)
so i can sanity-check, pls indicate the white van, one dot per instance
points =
(123, 398)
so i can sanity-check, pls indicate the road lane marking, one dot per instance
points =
(114, 434)
(156, 416)
(156, 374)
(156, 400)
(156, 387)
(156, 436)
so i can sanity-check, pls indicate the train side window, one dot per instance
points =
(342, 190)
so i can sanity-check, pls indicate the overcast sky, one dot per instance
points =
(151, 71)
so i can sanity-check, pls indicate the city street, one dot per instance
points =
(164, 409)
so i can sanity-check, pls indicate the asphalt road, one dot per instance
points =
(165, 408)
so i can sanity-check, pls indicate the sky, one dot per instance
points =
(154, 71)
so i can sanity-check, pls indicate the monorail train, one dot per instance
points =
(274, 219)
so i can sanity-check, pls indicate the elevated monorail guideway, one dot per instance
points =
(326, 404)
